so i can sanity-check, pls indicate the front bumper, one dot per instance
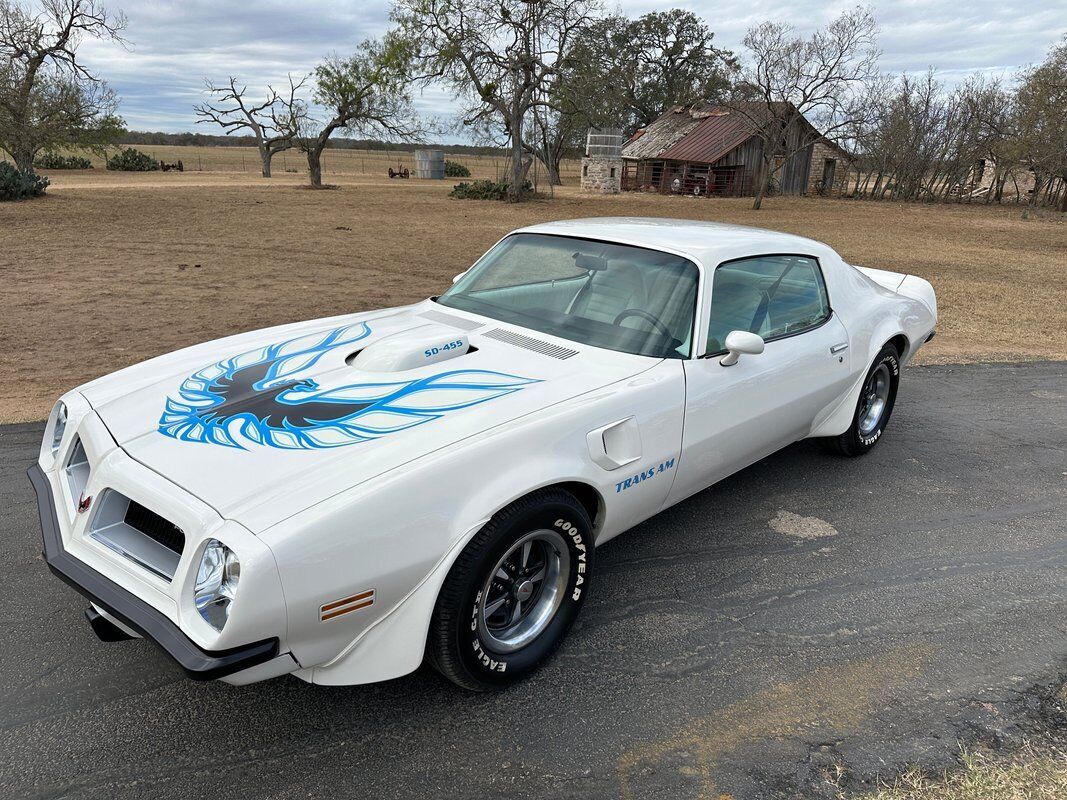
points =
(131, 611)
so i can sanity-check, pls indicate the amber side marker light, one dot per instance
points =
(346, 605)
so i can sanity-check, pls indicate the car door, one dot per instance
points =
(735, 415)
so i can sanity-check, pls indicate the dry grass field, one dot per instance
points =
(112, 268)
(336, 163)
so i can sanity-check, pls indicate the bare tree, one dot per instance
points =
(48, 97)
(1040, 123)
(786, 79)
(500, 55)
(274, 123)
(366, 93)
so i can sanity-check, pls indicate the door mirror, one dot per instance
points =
(456, 279)
(741, 342)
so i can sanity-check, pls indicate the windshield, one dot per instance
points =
(608, 295)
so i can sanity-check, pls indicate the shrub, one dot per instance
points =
(17, 184)
(130, 160)
(56, 161)
(453, 169)
(484, 190)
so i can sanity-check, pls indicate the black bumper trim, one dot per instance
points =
(130, 610)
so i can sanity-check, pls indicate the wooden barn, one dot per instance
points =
(711, 150)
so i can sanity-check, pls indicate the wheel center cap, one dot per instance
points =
(524, 591)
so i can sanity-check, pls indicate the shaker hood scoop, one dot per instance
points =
(410, 349)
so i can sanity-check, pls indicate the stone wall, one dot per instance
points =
(601, 175)
(820, 151)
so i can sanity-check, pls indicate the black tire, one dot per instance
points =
(860, 438)
(461, 645)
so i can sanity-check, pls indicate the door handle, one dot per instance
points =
(838, 348)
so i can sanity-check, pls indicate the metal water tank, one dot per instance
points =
(430, 164)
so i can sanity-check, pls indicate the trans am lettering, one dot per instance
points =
(644, 475)
(260, 398)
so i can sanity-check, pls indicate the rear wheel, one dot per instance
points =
(874, 407)
(513, 593)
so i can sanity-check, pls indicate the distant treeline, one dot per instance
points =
(208, 140)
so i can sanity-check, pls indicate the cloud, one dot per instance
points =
(174, 46)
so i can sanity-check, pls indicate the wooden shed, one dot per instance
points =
(712, 150)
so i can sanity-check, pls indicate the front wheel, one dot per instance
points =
(874, 407)
(513, 593)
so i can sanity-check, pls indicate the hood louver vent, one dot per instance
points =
(530, 343)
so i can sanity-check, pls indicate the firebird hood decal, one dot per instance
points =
(236, 421)
(259, 398)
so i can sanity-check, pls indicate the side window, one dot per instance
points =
(769, 295)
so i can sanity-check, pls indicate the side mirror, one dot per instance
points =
(741, 342)
(456, 279)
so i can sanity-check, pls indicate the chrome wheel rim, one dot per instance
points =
(873, 400)
(523, 591)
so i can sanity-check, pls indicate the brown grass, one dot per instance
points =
(335, 162)
(1027, 775)
(112, 268)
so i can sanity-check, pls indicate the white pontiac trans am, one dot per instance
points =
(343, 498)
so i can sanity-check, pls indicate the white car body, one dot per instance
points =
(370, 524)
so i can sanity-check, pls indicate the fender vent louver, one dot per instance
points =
(455, 322)
(530, 343)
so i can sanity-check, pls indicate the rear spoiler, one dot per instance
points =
(907, 285)
(883, 277)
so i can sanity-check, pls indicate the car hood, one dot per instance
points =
(265, 424)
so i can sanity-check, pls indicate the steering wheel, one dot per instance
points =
(651, 319)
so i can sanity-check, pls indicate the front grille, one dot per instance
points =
(155, 527)
(134, 532)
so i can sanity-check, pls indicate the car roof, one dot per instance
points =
(708, 243)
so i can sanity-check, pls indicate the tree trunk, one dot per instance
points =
(315, 166)
(762, 180)
(265, 155)
(518, 172)
(552, 168)
(1039, 183)
(23, 158)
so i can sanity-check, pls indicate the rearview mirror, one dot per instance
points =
(588, 261)
(456, 279)
(741, 342)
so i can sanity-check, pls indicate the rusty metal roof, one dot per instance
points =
(703, 134)
(711, 139)
(663, 132)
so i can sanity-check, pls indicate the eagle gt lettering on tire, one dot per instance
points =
(514, 592)
(874, 407)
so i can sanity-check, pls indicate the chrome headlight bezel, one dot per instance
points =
(215, 586)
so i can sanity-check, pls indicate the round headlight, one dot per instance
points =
(216, 583)
(60, 427)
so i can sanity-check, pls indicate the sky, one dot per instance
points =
(173, 45)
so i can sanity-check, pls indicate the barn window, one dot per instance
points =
(613, 172)
(585, 170)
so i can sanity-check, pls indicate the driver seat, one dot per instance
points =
(609, 292)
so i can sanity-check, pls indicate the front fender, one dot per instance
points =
(401, 535)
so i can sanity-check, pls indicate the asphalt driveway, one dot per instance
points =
(810, 617)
